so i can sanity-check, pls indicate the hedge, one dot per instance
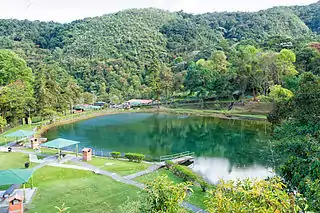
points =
(185, 173)
(115, 155)
(134, 157)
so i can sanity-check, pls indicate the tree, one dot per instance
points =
(3, 123)
(13, 68)
(251, 196)
(88, 98)
(279, 94)
(199, 80)
(15, 101)
(285, 60)
(154, 81)
(219, 61)
(162, 196)
(167, 81)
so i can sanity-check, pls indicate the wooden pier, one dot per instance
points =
(179, 158)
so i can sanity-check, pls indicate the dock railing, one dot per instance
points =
(176, 156)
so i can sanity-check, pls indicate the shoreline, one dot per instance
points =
(200, 113)
(203, 113)
(82, 117)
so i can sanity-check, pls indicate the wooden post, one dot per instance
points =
(24, 192)
(32, 182)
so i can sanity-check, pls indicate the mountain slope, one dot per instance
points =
(113, 53)
(310, 15)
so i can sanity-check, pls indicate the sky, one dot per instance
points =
(70, 10)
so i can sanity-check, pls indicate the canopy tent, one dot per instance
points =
(15, 176)
(60, 143)
(20, 133)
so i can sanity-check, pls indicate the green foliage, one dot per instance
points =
(297, 138)
(13, 68)
(165, 196)
(188, 175)
(62, 209)
(251, 195)
(3, 123)
(169, 164)
(134, 157)
(185, 173)
(162, 196)
(279, 94)
(115, 155)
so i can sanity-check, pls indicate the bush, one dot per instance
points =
(169, 164)
(134, 157)
(185, 173)
(267, 196)
(115, 155)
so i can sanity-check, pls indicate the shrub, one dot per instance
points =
(267, 196)
(169, 164)
(185, 173)
(134, 157)
(115, 155)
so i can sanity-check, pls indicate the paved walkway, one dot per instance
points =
(126, 180)
(52, 161)
(152, 168)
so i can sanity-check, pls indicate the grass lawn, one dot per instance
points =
(197, 198)
(119, 166)
(13, 160)
(82, 191)
(44, 150)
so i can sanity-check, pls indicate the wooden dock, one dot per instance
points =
(179, 158)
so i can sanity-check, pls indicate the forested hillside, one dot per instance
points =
(151, 53)
(271, 55)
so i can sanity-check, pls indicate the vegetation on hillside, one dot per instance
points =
(271, 55)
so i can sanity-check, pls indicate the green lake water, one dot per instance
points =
(226, 149)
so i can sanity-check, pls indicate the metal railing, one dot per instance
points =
(176, 156)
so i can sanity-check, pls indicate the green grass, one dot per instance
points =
(82, 191)
(196, 198)
(120, 167)
(13, 160)
(151, 176)
(44, 150)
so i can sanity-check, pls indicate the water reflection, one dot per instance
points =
(229, 145)
(214, 169)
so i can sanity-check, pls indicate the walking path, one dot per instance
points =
(152, 168)
(128, 180)
(52, 161)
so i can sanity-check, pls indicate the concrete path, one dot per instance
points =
(126, 180)
(114, 176)
(52, 161)
(152, 168)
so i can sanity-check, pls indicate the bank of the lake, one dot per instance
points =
(223, 114)
(236, 148)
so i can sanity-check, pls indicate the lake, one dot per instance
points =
(226, 149)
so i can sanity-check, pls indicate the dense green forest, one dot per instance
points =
(150, 53)
(272, 55)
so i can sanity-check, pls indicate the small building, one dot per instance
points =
(85, 107)
(100, 103)
(87, 154)
(138, 102)
(16, 203)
